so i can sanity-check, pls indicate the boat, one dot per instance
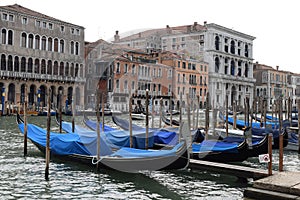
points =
(220, 151)
(168, 121)
(173, 112)
(138, 116)
(82, 147)
(157, 136)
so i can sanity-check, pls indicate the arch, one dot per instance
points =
(49, 67)
(232, 47)
(23, 39)
(77, 96)
(37, 66)
(69, 97)
(233, 94)
(11, 92)
(50, 44)
(60, 96)
(3, 62)
(76, 48)
(217, 43)
(76, 69)
(246, 70)
(37, 42)
(55, 68)
(62, 46)
(67, 70)
(232, 68)
(217, 64)
(53, 94)
(246, 50)
(72, 70)
(23, 64)
(61, 69)
(43, 66)
(44, 41)
(43, 92)
(31, 94)
(30, 41)
(56, 45)
(10, 63)
(10, 37)
(72, 47)
(22, 92)
(29, 65)
(16, 64)
(3, 34)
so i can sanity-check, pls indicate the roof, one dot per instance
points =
(20, 9)
(165, 31)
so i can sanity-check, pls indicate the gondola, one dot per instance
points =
(157, 136)
(168, 121)
(222, 149)
(83, 148)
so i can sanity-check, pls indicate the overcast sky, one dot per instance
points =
(275, 24)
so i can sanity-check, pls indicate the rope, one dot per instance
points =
(93, 162)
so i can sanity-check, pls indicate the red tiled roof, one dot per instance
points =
(20, 9)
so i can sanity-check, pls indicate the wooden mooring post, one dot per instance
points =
(25, 122)
(280, 115)
(270, 138)
(130, 121)
(207, 116)
(298, 107)
(48, 135)
(98, 127)
(147, 120)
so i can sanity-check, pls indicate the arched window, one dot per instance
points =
(49, 44)
(37, 66)
(217, 64)
(23, 40)
(61, 69)
(76, 48)
(30, 41)
(3, 38)
(232, 47)
(72, 47)
(37, 42)
(55, 68)
(3, 62)
(44, 43)
(76, 70)
(246, 51)
(67, 70)
(30, 65)
(56, 45)
(217, 43)
(43, 67)
(80, 71)
(62, 46)
(16, 64)
(10, 37)
(23, 64)
(49, 67)
(72, 70)
(246, 70)
(232, 68)
(10, 63)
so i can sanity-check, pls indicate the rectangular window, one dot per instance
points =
(44, 25)
(11, 18)
(72, 31)
(62, 28)
(50, 26)
(77, 31)
(24, 20)
(4, 16)
(126, 68)
(133, 69)
(132, 85)
(38, 23)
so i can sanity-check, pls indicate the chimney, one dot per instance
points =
(117, 37)
(277, 67)
(205, 22)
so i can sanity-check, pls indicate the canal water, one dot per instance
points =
(23, 177)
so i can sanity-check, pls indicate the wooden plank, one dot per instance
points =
(235, 170)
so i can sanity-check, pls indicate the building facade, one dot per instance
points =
(272, 84)
(227, 52)
(39, 52)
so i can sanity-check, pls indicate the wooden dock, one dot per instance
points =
(282, 185)
(234, 170)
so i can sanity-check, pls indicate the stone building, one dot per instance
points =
(40, 52)
(227, 52)
(272, 84)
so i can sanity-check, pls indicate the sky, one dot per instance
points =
(274, 23)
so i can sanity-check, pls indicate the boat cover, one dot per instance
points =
(215, 146)
(86, 144)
